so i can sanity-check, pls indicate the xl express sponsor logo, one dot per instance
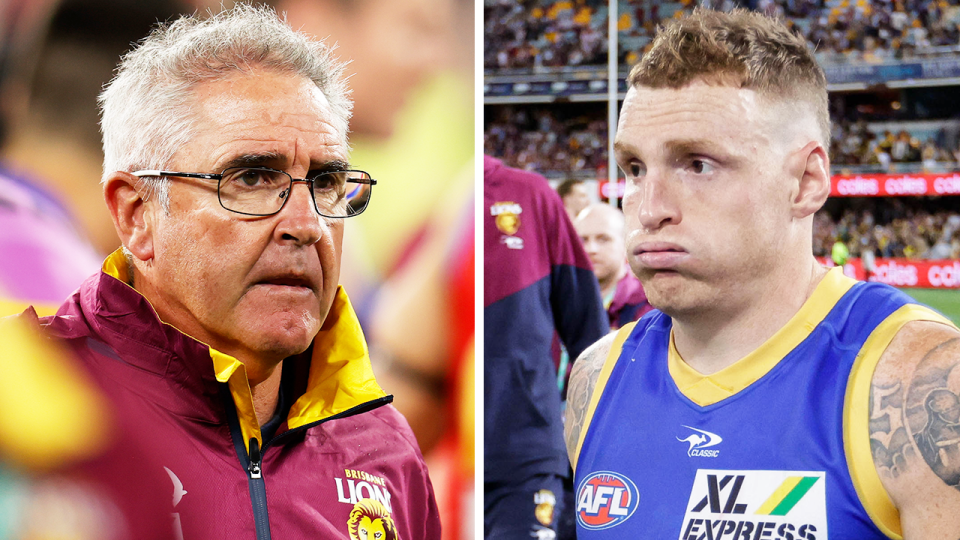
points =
(605, 499)
(774, 505)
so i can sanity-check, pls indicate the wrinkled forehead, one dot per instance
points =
(266, 97)
(265, 113)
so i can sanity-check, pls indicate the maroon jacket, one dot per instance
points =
(343, 452)
(629, 302)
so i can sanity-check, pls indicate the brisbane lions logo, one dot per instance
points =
(507, 216)
(370, 520)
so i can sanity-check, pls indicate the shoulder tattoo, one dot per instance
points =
(583, 378)
(919, 415)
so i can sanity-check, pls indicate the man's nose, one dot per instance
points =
(658, 203)
(299, 221)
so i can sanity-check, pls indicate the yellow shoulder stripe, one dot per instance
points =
(608, 364)
(856, 418)
(709, 389)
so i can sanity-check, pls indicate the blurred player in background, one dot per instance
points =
(52, 70)
(600, 227)
(833, 374)
(573, 193)
(422, 335)
(537, 281)
(69, 467)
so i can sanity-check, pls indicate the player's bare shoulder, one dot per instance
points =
(915, 427)
(583, 378)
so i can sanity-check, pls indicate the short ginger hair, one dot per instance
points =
(741, 48)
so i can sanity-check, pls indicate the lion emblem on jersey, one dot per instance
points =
(508, 223)
(370, 520)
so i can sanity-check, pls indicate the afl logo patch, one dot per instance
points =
(605, 499)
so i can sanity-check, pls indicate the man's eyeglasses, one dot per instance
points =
(259, 191)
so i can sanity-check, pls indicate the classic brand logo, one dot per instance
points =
(778, 505)
(701, 440)
(605, 499)
(360, 485)
(507, 216)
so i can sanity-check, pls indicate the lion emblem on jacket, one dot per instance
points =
(370, 520)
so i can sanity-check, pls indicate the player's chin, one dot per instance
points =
(666, 290)
(650, 275)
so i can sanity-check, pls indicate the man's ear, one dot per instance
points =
(131, 214)
(811, 172)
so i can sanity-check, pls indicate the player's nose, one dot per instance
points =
(658, 204)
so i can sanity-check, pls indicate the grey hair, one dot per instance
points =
(147, 108)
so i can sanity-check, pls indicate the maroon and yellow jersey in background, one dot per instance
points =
(537, 280)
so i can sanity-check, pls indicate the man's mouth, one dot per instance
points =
(287, 283)
(660, 255)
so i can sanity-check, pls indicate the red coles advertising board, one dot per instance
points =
(928, 274)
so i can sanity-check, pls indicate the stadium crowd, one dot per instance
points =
(912, 228)
(546, 139)
(555, 140)
(853, 144)
(554, 33)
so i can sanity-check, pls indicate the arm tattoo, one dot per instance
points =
(920, 416)
(583, 379)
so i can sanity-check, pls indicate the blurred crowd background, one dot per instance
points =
(571, 33)
(408, 261)
(893, 68)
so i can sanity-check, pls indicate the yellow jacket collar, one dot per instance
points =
(340, 378)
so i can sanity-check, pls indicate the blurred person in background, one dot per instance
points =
(422, 332)
(573, 193)
(600, 227)
(272, 107)
(44, 250)
(54, 137)
(537, 282)
(69, 467)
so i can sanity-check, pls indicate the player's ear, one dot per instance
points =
(132, 215)
(810, 174)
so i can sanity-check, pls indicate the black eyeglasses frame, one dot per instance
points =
(219, 177)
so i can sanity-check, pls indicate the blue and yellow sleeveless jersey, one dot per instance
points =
(776, 446)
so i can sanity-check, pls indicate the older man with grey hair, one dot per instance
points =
(220, 324)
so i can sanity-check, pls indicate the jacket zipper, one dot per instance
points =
(251, 456)
(258, 491)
